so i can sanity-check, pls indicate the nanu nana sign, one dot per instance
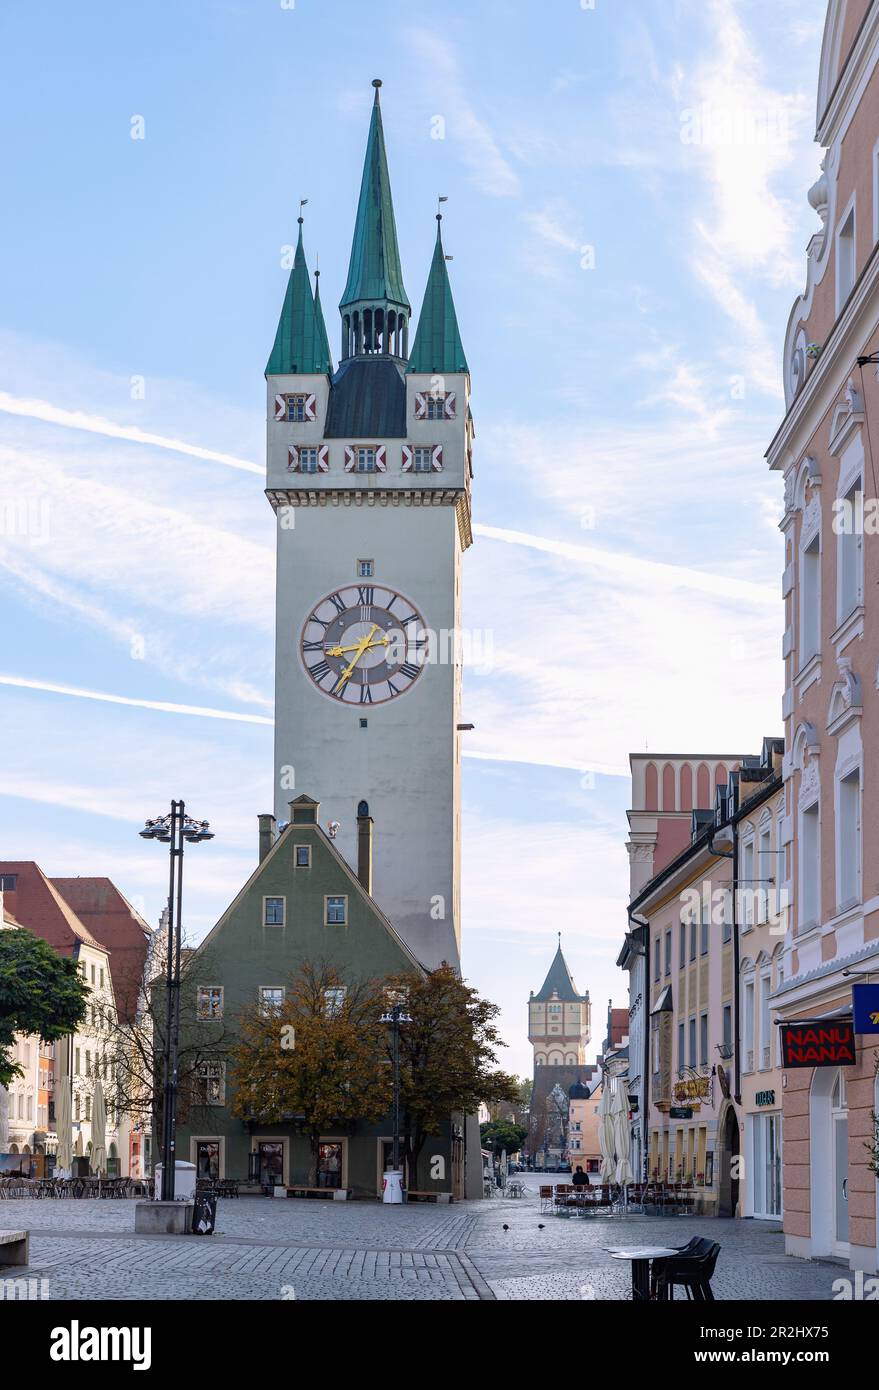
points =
(818, 1044)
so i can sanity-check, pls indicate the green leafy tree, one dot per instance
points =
(319, 1059)
(504, 1134)
(448, 1056)
(40, 993)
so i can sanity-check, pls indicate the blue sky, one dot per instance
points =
(628, 221)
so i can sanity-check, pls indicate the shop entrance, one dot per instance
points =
(728, 1191)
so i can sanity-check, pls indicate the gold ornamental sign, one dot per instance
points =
(694, 1088)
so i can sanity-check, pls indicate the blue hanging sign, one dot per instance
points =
(865, 1002)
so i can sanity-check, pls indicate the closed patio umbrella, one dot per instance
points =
(99, 1130)
(622, 1135)
(63, 1122)
(606, 1135)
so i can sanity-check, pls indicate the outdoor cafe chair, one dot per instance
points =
(692, 1268)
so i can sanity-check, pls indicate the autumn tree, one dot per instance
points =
(319, 1058)
(448, 1056)
(40, 993)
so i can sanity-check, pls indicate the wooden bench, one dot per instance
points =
(332, 1194)
(14, 1248)
(412, 1195)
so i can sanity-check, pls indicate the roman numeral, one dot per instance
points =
(409, 671)
(319, 670)
(393, 689)
(338, 602)
(366, 595)
(312, 646)
(315, 619)
(365, 695)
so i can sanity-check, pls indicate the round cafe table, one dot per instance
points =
(640, 1256)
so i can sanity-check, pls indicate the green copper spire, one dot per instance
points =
(301, 339)
(322, 342)
(375, 307)
(437, 346)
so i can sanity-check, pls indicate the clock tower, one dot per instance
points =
(368, 472)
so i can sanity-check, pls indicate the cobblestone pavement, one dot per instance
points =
(331, 1250)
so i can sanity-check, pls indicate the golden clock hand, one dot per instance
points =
(340, 651)
(361, 648)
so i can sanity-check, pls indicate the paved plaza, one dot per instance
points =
(331, 1250)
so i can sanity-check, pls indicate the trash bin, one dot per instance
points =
(392, 1186)
(184, 1181)
(204, 1214)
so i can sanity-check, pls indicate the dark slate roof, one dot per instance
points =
(559, 980)
(367, 400)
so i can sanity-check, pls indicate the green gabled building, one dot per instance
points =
(303, 903)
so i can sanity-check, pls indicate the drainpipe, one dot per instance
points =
(733, 854)
(645, 1118)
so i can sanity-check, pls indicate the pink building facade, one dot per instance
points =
(830, 826)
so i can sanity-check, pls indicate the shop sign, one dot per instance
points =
(694, 1088)
(765, 1097)
(680, 1112)
(865, 1001)
(818, 1043)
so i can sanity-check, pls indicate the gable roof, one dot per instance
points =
(37, 904)
(115, 924)
(354, 884)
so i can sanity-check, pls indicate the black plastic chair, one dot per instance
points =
(692, 1270)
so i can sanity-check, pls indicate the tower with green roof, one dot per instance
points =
(369, 469)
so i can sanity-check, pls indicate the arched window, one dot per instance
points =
(669, 798)
(651, 789)
(686, 787)
(703, 788)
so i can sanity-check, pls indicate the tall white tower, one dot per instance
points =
(368, 471)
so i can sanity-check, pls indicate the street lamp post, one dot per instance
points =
(174, 830)
(395, 1016)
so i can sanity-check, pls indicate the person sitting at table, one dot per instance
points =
(579, 1178)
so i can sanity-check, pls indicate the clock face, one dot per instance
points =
(363, 644)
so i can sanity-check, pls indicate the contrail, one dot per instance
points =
(626, 565)
(205, 712)
(166, 706)
(96, 424)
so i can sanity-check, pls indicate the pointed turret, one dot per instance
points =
(301, 340)
(322, 342)
(438, 347)
(559, 981)
(375, 307)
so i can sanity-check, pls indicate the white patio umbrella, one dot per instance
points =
(606, 1135)
(99, 1130)
(63, 1119)
(622, 1135)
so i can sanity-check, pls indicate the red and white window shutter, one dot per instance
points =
(349, 458)
(293, 458)
(280, 407)
(420, 405)
(407, 458)
(449, 406)
(436, 458)
(323, 458)
(311, 407)
(381, 459)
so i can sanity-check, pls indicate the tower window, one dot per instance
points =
(308, 460)
(364, 723)
(365, 460)
(422, 460)
(436, 406)
(365, 569)
(296, 408)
